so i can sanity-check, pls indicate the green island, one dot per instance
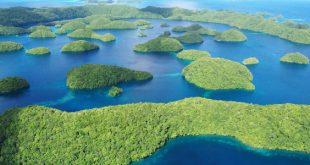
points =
(87, 33)
(164, 24)
(97, 23)
(39, 51)
(115, 91)
(144, 27)
(288, 30)
(12, 84)
(160, 44)
(120, 25)
(218, 74)
(127, 133)
(250, 61)
(42, 34)
(193, 55)
(141, 34)
(92, 76)
(9, 46)
(70, 27)
(142, 22)
(195, 28)
(232, 35)
(11, 30)
(79, 46)
(295, 58)
(190, 38)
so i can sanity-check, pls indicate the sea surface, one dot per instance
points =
(275, 82)
(217, 150)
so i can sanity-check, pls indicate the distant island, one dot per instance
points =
(218, 74)
(79, 46)
(92, 76)
(9, 46)
(87, 33)
(190, 38)
(160, 44)
(292, 31)
(12, 84)
(250, 61)
(295, 58)
(41, 32)
(39, 51)
(232, 35)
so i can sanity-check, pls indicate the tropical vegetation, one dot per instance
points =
(115, 91)
(250, 61)
(39, 51)
(127, 133)
(193, 55)
(41, 32)
(231, 35)
(160, 44)
(71, 26)
(79, 46)
(92, 76)
(190, 38)
(11, 30)
(87, 33)
(295, 58)
(218, 74)
(9, 46)
(12, 84)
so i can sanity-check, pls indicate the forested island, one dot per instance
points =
(38, 51)
(41, 32)
(250, 61)
(160, 44)
(9, 46)
(87, 33)
(218, 74)
(92, 76)
(295, 58)
(79, 46)
(256, 22)
(193, 55)
(126, 133)
(12, 84)
(190, 38)
(115, 91)
(232, 35)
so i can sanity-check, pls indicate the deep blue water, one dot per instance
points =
(275, 82)
(209, 151)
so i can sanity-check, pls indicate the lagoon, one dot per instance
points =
(275, 82)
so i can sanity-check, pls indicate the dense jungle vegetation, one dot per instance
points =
(92, 76)
(126, 133)
(218, 74)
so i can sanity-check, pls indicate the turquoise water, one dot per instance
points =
(275, 82)
(209, 150)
